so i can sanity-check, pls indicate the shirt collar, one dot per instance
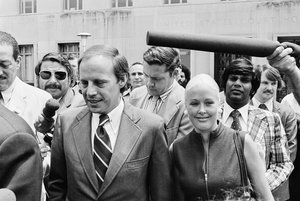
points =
(269, 103)
(114, 115)
(228, 109)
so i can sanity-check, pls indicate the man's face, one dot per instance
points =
(137, 78)
(238, 88)
(99, 85)
(54, 79)
(158, 79)
(8, 66)
(267, 88)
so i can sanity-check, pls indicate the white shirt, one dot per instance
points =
(111, 126)
(269, 103)
(227, 119)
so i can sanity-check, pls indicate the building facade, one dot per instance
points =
(42, 26)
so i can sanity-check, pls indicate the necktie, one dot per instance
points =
(263, 106)
(235, 114)
(152, 105)
(102, 150)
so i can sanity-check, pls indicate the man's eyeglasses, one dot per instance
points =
(58, 75)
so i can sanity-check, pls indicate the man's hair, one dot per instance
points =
(59, 58)
(163, 55)
(186, 72)
(7, 39)
(241, 66)
(120, 64)
(271, 73)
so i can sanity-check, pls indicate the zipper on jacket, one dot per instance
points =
(205, 169)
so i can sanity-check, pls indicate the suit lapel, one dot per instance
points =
(18, 98)
(128, 135)
(169, 107)
(81, 131)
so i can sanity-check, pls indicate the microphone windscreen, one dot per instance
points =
(7, 195)
(51, 106)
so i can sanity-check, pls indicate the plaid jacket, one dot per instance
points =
(265, 129)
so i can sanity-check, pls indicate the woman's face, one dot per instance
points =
(202, 104)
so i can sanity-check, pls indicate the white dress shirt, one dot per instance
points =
(111, 126)
(227, 119)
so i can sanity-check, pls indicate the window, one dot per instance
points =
(72, 4)
(26, 72)
(121, 3)
(174, 1)
(69, 48)
(27, 6)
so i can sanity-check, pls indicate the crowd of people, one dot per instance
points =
(148, 131)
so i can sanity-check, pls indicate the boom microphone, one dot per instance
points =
(7, 195)
(46, 123)
(217, 43)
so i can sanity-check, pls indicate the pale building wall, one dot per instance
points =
(126, 28)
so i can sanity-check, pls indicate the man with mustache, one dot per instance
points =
(162, 95)
(264, 98)
(56, 76)
(240, 83)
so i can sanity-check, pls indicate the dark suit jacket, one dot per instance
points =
(172, 110)
(20, 157)
(139, 167)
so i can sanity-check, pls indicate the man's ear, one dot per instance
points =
(18, 61)
(123, 80)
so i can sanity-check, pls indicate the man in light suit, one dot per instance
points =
(21, 98)
(270, 80)
(56, 76)
(138, 165)
(20, 157)
(240, 84)
(162, 94)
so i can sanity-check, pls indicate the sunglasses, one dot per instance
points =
(58, 75)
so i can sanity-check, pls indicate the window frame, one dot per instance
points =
(78, 5)
(116, 3)
(23, 7)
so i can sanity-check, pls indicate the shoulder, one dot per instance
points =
(12, 123)
(37, 92)
(139, 92)
(74, 112)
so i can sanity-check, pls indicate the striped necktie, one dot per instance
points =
(102, 150)
(263, 106)
(235, 114)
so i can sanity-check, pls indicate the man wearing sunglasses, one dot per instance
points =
(56, 76)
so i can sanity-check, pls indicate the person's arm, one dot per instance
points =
(58, 173)
(291, 132)
(255, 168)
(21, 167)
(178, 194)
(286, 64)
(280, 165)
(159, 172)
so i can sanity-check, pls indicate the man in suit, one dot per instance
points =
(270, 80)
(56, 76)
(124, 156)
(162, 94)
(19, 97)
(20, 157)
(240, 84)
